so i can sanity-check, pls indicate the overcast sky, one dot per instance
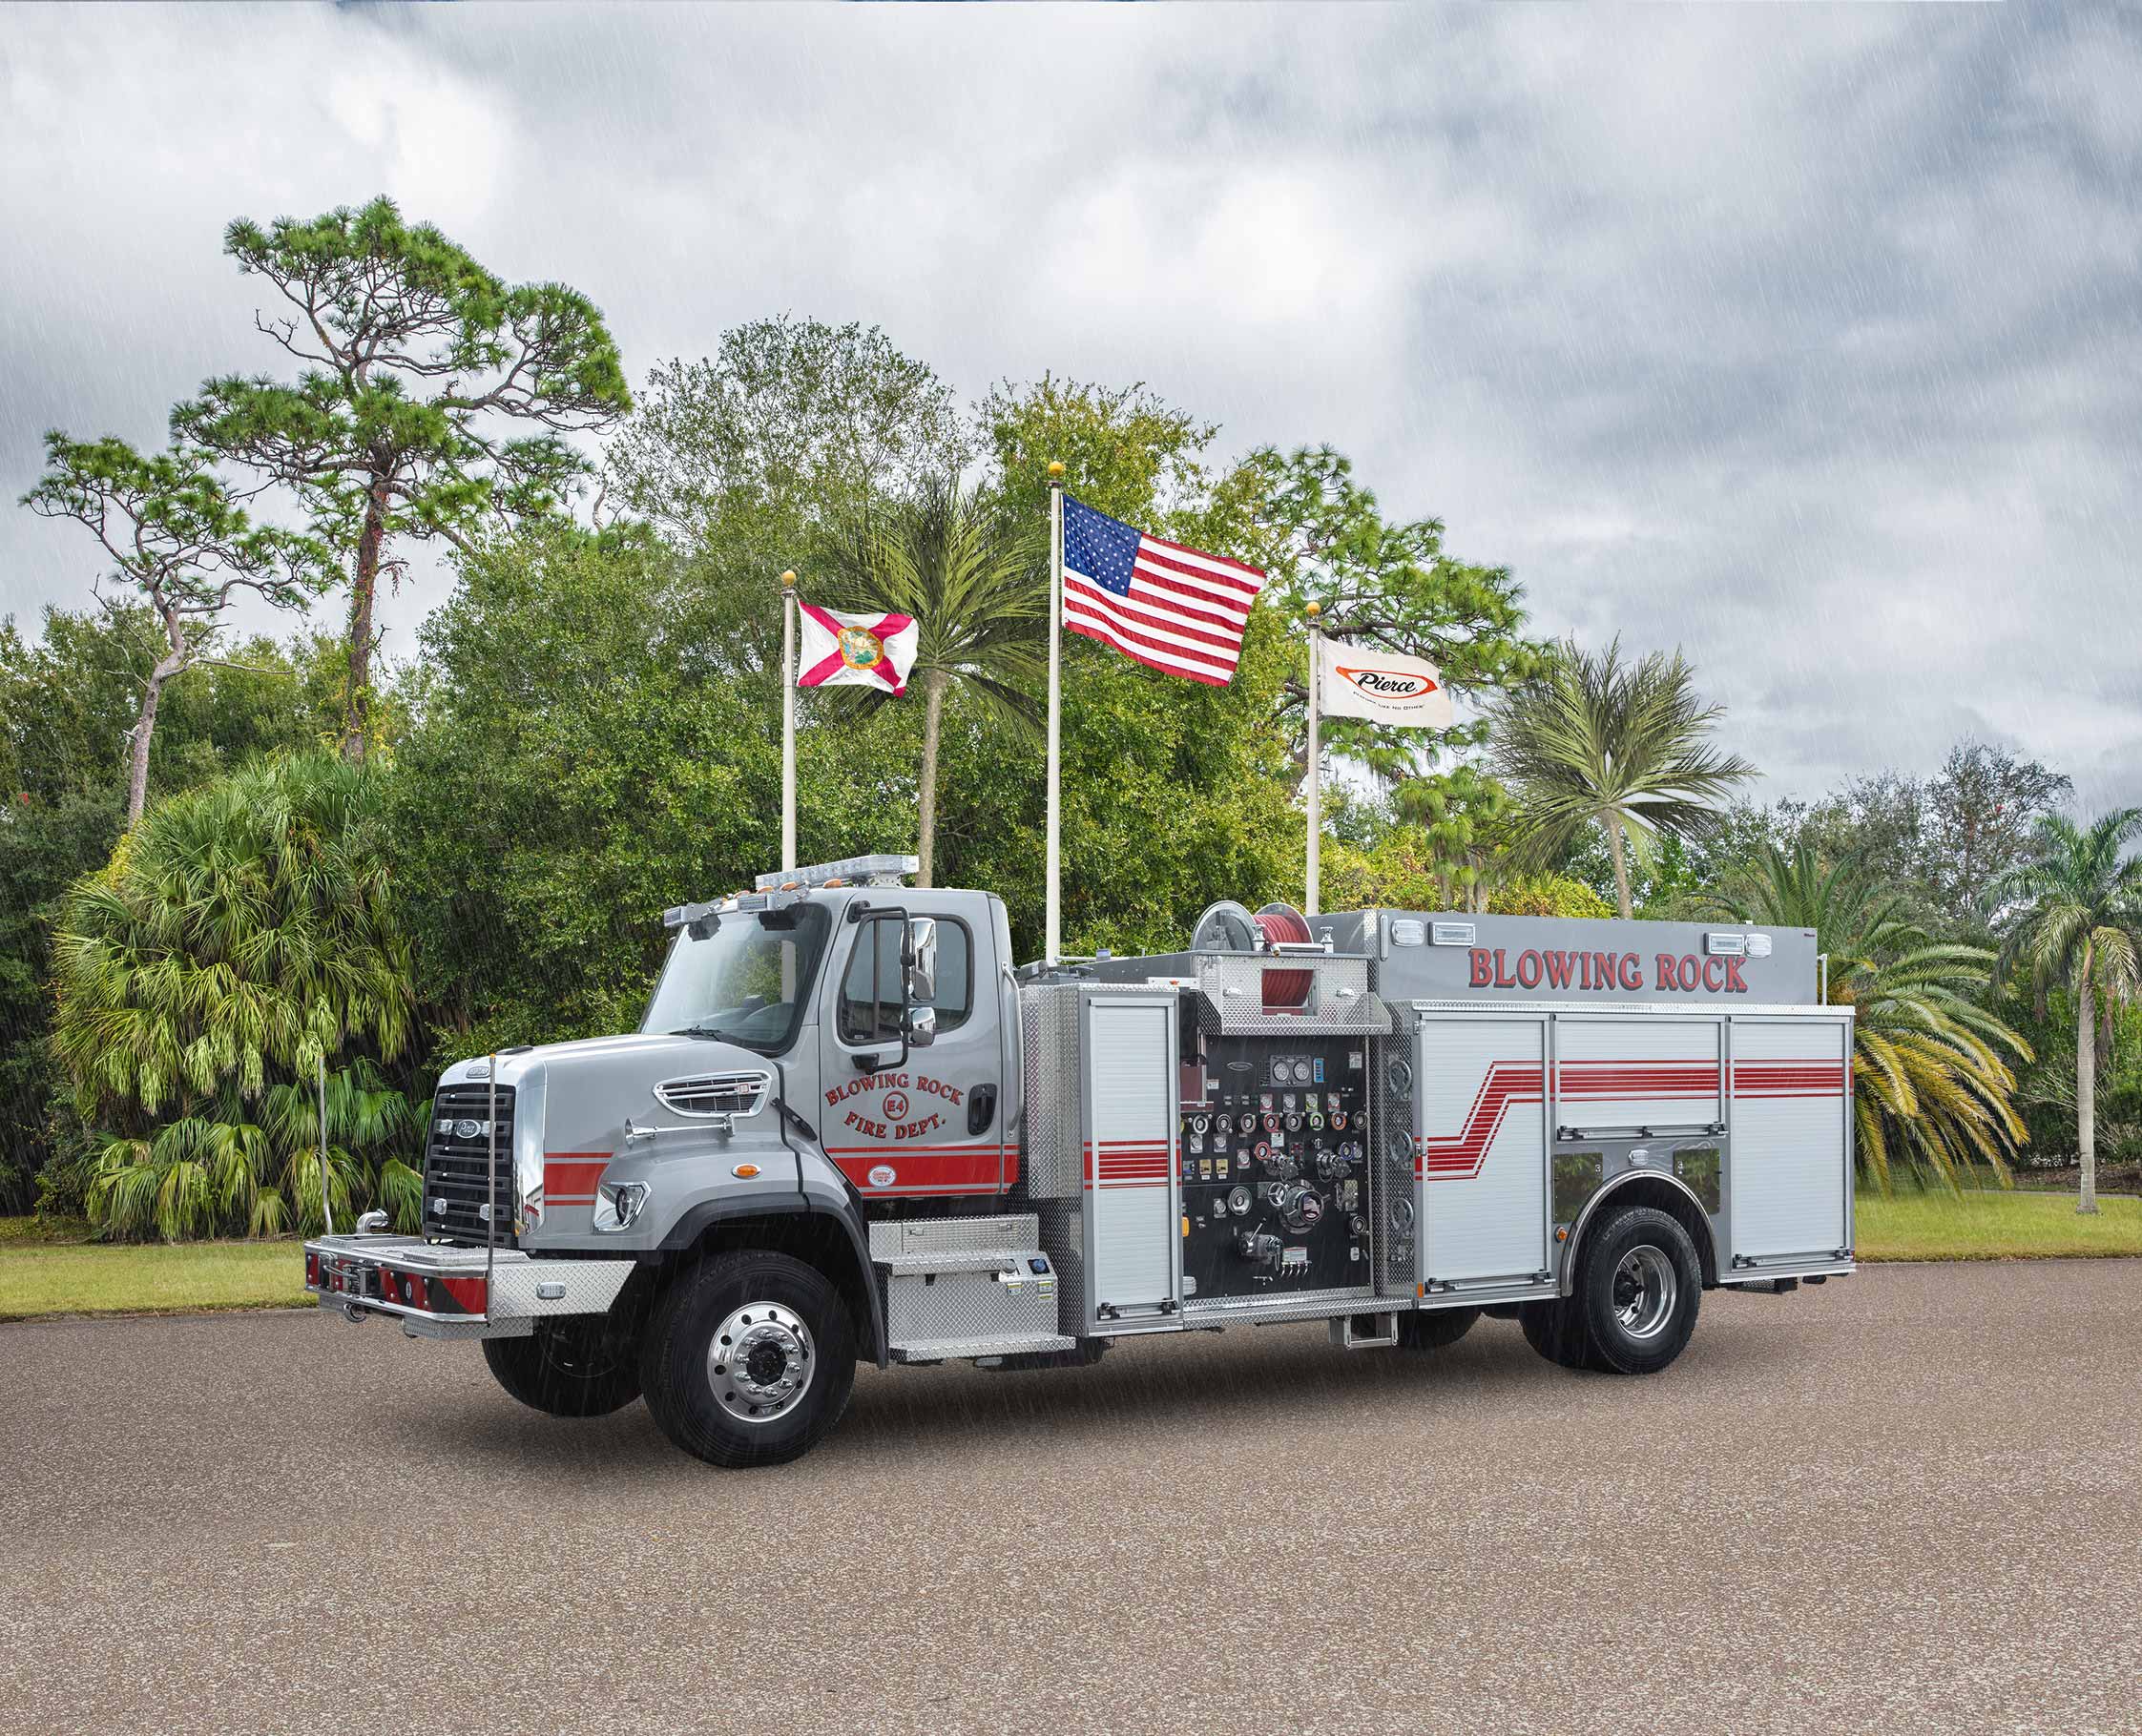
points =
(1809, 340)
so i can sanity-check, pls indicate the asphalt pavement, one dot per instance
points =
(1910, 1500)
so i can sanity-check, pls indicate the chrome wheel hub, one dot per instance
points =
(759, 1362)
(1646, 1286)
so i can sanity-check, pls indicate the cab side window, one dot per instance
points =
(873, 991)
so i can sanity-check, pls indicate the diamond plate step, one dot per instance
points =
(975, 1259)
(958, 1349)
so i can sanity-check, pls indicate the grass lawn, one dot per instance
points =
(1993, 1225)
(46, 1276)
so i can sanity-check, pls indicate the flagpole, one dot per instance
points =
(787, 721)
(1315, 808)
(1052, 923)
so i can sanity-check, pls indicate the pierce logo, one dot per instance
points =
(882, 1175)
(1387, 683)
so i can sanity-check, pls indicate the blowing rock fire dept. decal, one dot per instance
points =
(901, 1107)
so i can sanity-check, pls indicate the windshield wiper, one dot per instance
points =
(708, 1030)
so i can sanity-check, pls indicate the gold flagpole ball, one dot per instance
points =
(1314, 609)
(788, 581)
(1055, 467)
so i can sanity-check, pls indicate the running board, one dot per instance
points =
(962, 1350)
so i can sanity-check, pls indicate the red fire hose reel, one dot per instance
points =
(1281, 925)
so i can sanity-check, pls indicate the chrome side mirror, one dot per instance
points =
(922, 1026)
(922, 960)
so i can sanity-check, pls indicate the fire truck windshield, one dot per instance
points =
(746, 979)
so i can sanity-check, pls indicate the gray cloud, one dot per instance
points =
(1806, 340)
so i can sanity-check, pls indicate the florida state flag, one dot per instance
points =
(854, 651)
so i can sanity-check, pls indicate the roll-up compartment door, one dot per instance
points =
(1791, 1154)
(1130, 1131)
(1483, 1147)
(1630, 1073)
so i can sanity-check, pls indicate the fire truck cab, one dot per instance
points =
(850, 1129)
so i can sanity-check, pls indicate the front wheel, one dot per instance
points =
(576, 1366)
(748, 1360)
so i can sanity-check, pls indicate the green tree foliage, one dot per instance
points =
(2074, 909)
(244, 933)
(229, 1167)
(1622, 747)
(67, 700)
(1942, 840)
(1932, 1085)
(435, 398)
(585, 755)
(1191, 782)
(761, 455)
(1404, 870)
(2048, 1098)
(176, 537)
(1125, 452)
(976, 584)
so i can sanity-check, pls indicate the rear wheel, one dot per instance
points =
(578, 1365)
(1637, 1292)
(749, 1359)
(1435, 1329)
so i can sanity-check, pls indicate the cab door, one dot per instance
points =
(900, 1119)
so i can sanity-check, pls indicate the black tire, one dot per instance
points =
(576, 1366)
(1435, 1329)
(1638, 1287)
(785, 1388)
(1556, 1331)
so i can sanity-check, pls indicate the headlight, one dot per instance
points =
(618, 1204)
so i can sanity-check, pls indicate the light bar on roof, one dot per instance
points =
(885, 870)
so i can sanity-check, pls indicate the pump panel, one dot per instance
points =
(1272, 1142)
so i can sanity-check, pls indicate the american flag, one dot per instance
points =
(1160, 604)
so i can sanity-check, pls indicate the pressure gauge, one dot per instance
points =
(1239, 1201)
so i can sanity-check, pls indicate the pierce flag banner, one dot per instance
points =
(1382, 687)
(854, 651)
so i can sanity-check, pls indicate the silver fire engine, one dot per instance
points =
(848, 1130)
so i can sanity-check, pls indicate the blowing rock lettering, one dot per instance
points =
(1603, 971)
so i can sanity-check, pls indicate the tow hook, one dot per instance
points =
(351, 1311)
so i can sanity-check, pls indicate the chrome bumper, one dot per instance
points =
(442, 1291)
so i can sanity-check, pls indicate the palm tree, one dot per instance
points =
(243, 936)
(1929, 1081)
(2072, 913)
(975, 587)
(1597, 741)
(240, 1168)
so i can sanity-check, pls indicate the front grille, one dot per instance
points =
(457, 1160)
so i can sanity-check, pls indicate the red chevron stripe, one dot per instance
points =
(1506, 1082)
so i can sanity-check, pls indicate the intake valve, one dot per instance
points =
(1302, 1206)
(1254, 1245)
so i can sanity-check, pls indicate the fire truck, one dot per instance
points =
(850, 1129)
